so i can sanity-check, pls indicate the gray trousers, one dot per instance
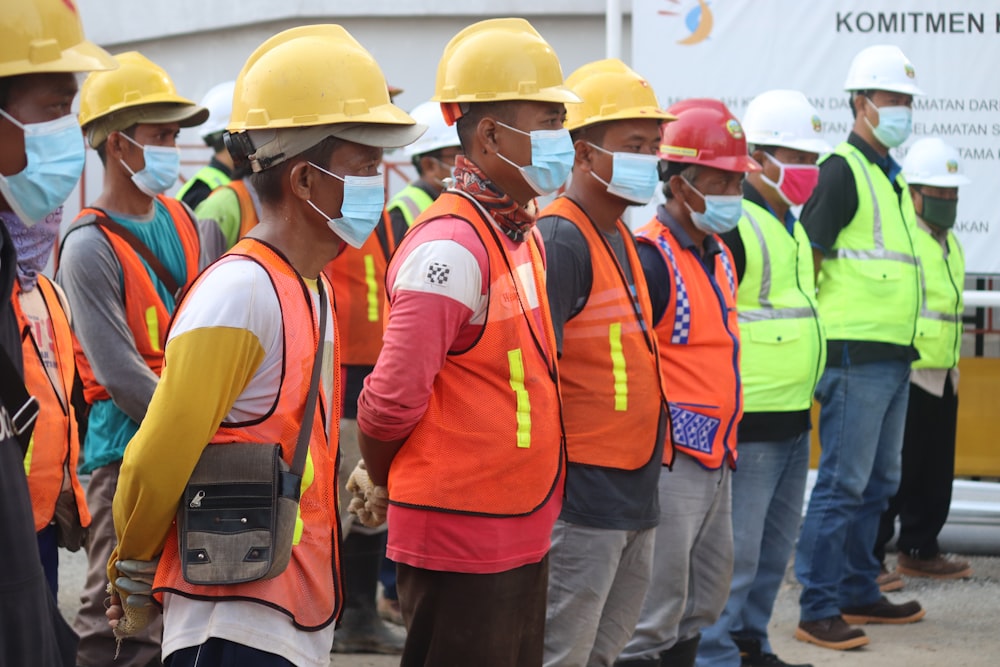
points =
(692, 559)
(597, 580)
(97, 643)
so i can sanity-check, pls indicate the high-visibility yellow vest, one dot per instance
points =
(869, 289)
(782, 340)
(411, 202)
(209, 175)
(939, 327)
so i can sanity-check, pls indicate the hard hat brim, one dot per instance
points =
(739, 163)
(904, 88)
(949, 181)
(556, 94)
(626, 114)
(185, 115)
(806, 145)
(83, 57)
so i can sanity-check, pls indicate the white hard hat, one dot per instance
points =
(882, 67)
(784, 118)
(931, 161)
(438, 135)
(219, 102)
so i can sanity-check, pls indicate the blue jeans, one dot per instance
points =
(862, 415)
(768, 488)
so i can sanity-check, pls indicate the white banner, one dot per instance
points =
(735, 49)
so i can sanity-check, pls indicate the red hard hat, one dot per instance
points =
(705, 133)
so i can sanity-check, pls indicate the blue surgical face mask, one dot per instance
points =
(56, 156)
(163, 167)
(894, 124)
(361, 210)
(552, 156)
(634, 176)
(722, 212)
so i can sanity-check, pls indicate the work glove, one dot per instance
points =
(370, 502)
(132, 607)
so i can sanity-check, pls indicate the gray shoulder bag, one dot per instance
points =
(237, 516)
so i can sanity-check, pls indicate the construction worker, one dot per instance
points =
(433, 156)
(242, 348)
(692, 290)
(43, 317)
(614, 410)
(861, 224)
(782, 354)
(219, 170)
(41, 160)
(122, 263)
(933, 172)
(461, 416)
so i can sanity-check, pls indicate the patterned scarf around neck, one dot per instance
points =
(515, 220)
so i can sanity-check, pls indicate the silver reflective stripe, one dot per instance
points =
(942, 317)
(878, 253)
(765, 271)
(411, 208)
(877, 222)
(747, 316)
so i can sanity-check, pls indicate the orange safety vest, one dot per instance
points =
(699, 341)
(54, 450)
(145, 313)
(248, 212)
(358, 278)
(609, 368)
(310, 590)
(490, 442)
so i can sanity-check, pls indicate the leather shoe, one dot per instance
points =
(888, 581)
(883, 611)
(752, 655)
(832, 632)
(937, 567)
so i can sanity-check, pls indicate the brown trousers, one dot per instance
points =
(486, 620)
(97, 643)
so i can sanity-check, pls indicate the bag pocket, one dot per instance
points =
(237, 516)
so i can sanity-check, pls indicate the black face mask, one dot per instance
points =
(939, 211)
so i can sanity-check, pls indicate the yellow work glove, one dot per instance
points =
(370, 502)
(132, 607)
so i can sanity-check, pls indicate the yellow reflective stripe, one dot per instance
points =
(372, 288)
(27, 456)
(618, 367)
(308, 474)
(153, 327)
(516, 363)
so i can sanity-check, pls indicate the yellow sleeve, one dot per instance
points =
(206, 370)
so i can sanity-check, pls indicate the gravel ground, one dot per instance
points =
(961, 629)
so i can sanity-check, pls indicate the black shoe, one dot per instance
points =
(681, 654)
(832, 633)
(884, 611)
(751, 655)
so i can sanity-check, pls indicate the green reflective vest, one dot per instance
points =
(411, 201)
(213, 177)
(939, 327)
(782, 344)
(869, 288)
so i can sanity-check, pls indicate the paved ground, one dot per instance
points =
(961, 629)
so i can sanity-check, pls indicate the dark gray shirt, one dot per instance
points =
(595, 496)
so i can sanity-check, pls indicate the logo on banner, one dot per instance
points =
(698, 20)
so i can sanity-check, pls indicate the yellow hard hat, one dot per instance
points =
(312, 75)
(41, 36)
(498, 60)
(610, 90)
(139, 91)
